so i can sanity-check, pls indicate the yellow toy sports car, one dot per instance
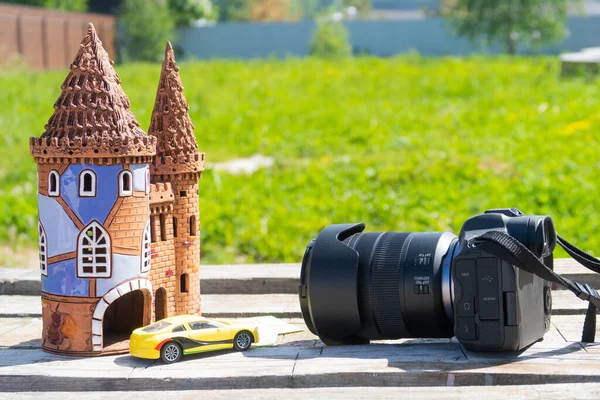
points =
(170, 338)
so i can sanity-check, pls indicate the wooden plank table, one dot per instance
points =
(300, 365)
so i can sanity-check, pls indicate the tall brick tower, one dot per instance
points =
(93, 197)
(178, 162)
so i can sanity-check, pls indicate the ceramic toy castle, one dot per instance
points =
(118, 209)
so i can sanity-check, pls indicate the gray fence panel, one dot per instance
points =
(247, 40)
(405, 4)
(429, 37)
(584, 32)
(387, 38)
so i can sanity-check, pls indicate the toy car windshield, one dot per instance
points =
(156, 327)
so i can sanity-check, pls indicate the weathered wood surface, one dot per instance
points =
(24, 333)
(301, 366)
(248, 278)
(301, 361)
(402, 363)
(554, 391)
(239, 305)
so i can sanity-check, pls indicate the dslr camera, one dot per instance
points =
(360, 286)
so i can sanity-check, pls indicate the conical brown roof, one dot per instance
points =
(176, 148)
(92, 116)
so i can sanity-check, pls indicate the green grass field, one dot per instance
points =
(407, 143)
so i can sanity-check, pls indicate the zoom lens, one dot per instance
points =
(358, 286)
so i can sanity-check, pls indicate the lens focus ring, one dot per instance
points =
(386, 282)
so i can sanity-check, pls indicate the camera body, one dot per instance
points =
(496, 305)
(360, 286)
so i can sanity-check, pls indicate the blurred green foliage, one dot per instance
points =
(407, 143)
(510, 23)
(65, 5)
(310, 9)
(147, 25)
(186, 12)
(232, 10)
(363, 6)
(330, 40)
(284, 10)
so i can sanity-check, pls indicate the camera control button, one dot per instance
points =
(489, 296)
(466, 276)
(466, 329)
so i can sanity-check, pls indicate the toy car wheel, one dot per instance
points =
(171, 352)
(242, 341)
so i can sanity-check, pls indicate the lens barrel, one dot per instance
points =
(358, 286)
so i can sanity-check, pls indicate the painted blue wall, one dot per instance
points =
(60, 230)
(62, 280)
(124, 268)
(62, 233)
(96, 208)
(429, 37)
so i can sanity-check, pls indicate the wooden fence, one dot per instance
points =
(48, 39)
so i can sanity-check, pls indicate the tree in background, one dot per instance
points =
(311, 9)
(269, 10)
(509, 22)
(232, 10)
(254, 10)
(186, 12)
(330, 40)
(147, 25)
(308, 9)
(364, 7)
(65, 5)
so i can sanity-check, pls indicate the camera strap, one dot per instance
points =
(511, 250)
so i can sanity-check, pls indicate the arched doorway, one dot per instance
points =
(122, 316)
(160, 304)
(131, 307)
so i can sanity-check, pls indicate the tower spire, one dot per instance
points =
(177, 150)
(178, 162)
(92, 116)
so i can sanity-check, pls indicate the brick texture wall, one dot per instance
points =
(163, 272)
(187, 245)
(127, 226)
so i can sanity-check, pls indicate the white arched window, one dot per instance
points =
(53, 183)
(147, 180)
(93, 252)
(87, 183)
(43, 248)
(146, 252)
(125, 184)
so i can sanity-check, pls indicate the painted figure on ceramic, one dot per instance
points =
(118, 209)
